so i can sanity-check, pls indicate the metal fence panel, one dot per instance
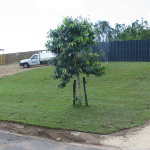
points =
(135, 50)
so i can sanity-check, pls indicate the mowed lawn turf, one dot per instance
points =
(118, 100)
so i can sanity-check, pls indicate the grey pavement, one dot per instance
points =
(11, 141)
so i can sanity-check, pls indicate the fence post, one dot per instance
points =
(123, 50)
(126, 51)
(84, 84)
(138, 51)
(4, 59)
(129, 51)
(0, 59)
(149, 49)
(132, 52)
(116, 50)
(142, 50)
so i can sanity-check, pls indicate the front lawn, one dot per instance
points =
(118, 100)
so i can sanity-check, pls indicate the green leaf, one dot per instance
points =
(79, 55)
(87, 62)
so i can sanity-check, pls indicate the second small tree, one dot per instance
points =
(70, 43)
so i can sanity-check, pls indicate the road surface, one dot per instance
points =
(10, 141)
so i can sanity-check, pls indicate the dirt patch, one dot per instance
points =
(54, 134)
(14, 68)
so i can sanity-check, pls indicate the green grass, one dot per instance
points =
(118, 100)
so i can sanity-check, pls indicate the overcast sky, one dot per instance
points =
(24, 23)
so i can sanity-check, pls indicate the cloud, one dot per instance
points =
(58, 4)
(123, 7)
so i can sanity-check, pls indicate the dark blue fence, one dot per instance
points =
(135, 50)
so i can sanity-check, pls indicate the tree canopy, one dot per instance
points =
(121, 32)
(70, 43)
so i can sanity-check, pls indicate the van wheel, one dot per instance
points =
(26, 65)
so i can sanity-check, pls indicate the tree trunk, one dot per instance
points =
(79, 90)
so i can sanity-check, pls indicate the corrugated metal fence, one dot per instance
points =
(16, 57)
(135, 50)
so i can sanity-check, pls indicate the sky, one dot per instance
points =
(24, 23)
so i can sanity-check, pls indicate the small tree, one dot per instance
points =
(70, 43)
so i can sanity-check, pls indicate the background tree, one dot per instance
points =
(103, 31)
(135, 31)
(121, 32)
(72, 37)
